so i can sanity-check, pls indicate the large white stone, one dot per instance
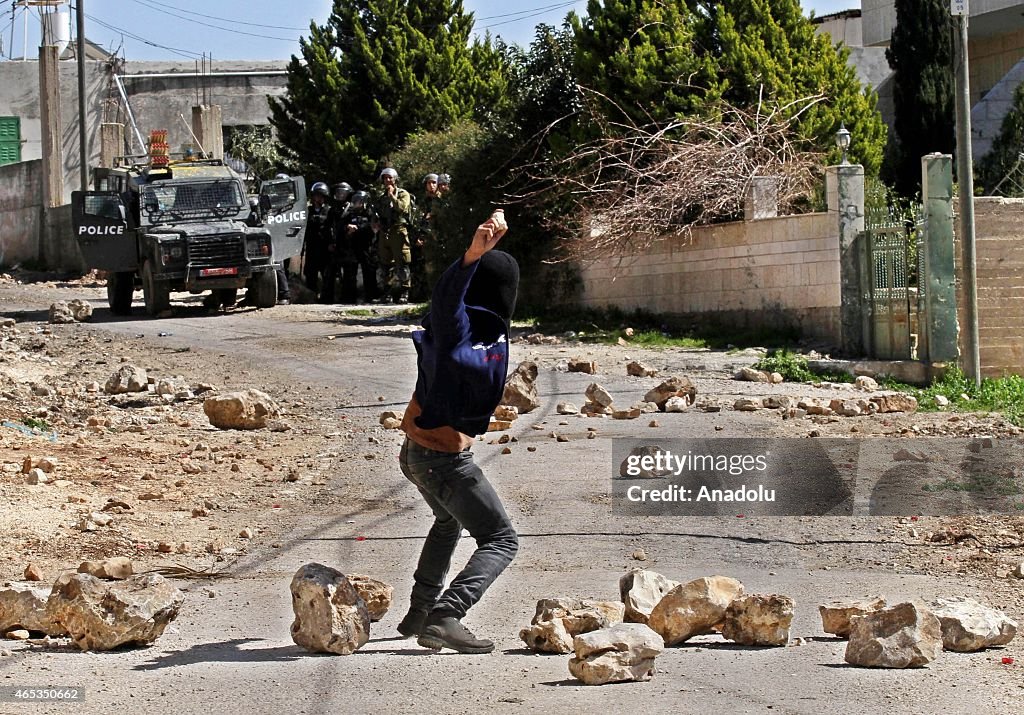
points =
(115, 568)
(101, 615)
(375, 593)
(837, 617)
(759, 620)
(641, 590)
(245, 410)
(598, 395)
(694, 608)
(906, 635)
(672, 387)
(558, 620)
(624, 652)
(330, 615)
(128, 378)
(968, 626)
(521, 389)
(23, 605)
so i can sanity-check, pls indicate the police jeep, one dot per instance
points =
(186, 226)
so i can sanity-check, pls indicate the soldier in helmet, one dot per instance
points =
(393, 214)
(422, 240)
(337, 250)
(429, 237)
(359, 249)
(319, 238)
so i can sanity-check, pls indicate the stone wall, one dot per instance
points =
(999, 226)
(21, 212)
(779, 273)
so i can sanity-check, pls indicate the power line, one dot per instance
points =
(528, 10)
(207, 24)
(527, 17)
(234, 21)
(183, 53)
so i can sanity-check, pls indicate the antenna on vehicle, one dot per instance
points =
(194, 137)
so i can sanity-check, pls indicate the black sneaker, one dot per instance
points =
(448, 632)
(413, 623)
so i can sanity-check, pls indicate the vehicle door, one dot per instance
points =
(283, 203)
(101, 225)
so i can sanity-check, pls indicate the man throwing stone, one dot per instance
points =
(462, 362)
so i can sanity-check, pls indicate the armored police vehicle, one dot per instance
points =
(187, 226)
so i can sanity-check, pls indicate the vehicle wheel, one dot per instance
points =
(264, 289)
(156, 293)
(120, 287)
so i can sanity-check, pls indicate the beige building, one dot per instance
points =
(995, 48)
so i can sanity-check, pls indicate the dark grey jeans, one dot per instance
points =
(460, 496)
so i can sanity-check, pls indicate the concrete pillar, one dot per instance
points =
(762, 199)
(111, 143)
(844, 189)
(51, 127)
(939, 279)
(208, 128)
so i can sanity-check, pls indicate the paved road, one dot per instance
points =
(233, 653)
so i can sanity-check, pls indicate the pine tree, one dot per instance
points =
(767, 50)
(640, 55)
(374, 73)
(660, 59)
(921, 56)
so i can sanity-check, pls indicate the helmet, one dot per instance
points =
(360, 200)
(430, 177)
(282, 176)
(389, 172)
(254, 203)
(320, 188)
(342, 191)
(444, 180)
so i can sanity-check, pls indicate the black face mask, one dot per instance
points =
(495, 284)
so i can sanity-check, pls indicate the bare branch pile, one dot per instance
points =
(637, 184)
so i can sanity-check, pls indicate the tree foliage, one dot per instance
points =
(641, 55)
(767, 50)
(668, 59)
(257, 148)
(375, 72)
(1001, 171)
(921, 56)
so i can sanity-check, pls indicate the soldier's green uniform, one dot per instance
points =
(433, 242)
(393, 247)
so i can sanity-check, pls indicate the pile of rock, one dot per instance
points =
(792, 407)
(659, 612)
(333, 611)
(101, 607)
(675, 394)
(558, 621)
(909, 634)
(74, 311)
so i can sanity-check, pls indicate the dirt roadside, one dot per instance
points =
(165, 476)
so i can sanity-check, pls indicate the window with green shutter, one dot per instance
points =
(10, 140)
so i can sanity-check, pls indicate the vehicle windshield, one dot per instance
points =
(164, 202)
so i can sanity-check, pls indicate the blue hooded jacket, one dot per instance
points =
(462, 357)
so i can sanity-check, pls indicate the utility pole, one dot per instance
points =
(965, 175)
(82, 148)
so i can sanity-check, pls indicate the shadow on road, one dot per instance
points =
(227, 652)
